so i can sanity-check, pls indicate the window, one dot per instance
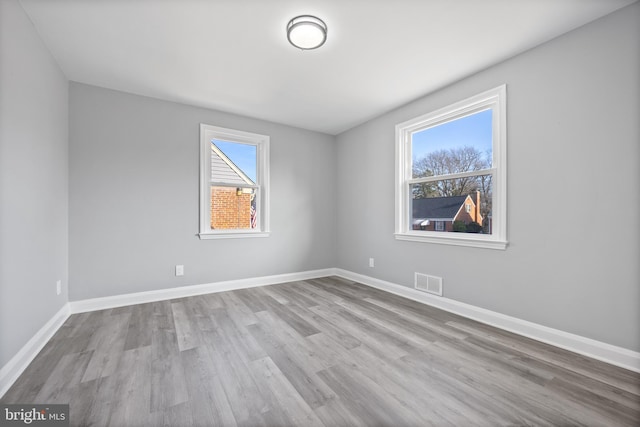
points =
(451, 174)
(234, 183)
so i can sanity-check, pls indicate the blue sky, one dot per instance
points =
(243, 155)
(474, 130)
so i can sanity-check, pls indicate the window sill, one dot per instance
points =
(456, 240)
(233, 235)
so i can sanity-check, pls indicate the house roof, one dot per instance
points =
(224, 170)
(437, 208)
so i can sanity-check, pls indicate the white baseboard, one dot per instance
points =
(18, 363)
(187, 291)
(608, 353)
(12, 370)
(595, 349)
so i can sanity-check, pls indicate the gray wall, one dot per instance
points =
(573, 189)
(33, 182)
(134, 176)
(118, 207)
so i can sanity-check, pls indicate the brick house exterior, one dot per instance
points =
(230, 208)
(231, 205)
(439, 213)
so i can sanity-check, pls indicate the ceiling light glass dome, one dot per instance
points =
(307, 32)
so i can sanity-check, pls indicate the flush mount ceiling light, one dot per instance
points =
(307, 32)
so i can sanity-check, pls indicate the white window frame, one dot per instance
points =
(207, 134)
(494, 99)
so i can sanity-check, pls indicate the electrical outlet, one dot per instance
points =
(179, 270)
(371, 262)
(58, 287)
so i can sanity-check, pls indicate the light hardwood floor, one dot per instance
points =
(323, 352)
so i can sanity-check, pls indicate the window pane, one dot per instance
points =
(453, 205)
(233, 208)
(461, 145)
(234, 183)
(237, 162)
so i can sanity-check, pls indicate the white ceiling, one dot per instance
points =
(233, 55)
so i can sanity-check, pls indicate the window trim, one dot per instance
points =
(209, 133)
(494, 99)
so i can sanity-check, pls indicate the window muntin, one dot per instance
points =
(451, 174)
(233, 183)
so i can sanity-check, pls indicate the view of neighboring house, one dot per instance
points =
(440, 213)
(232, 204)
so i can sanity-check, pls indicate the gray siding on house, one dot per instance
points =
(221, 171)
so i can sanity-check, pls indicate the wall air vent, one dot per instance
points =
(430, 284)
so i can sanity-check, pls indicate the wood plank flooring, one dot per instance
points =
(322, 352)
